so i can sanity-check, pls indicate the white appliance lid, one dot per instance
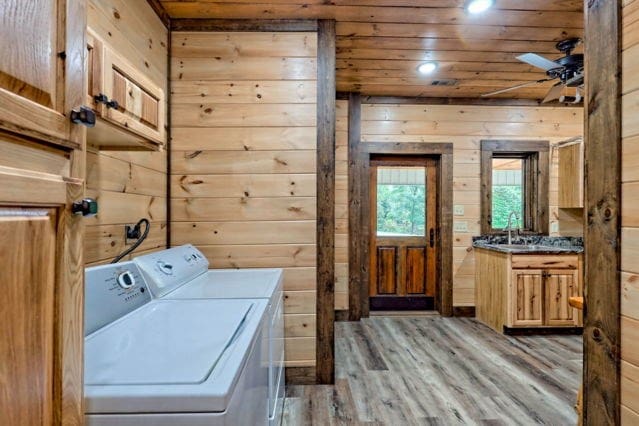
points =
(165, 342)
(230, 283)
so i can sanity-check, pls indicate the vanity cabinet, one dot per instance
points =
(571, 176)
(527, 290)
(130, 108)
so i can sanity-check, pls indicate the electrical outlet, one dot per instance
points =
(554, 227)
(458, 210)
(460, 226)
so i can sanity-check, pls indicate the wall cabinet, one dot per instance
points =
(130, 108)
(527, 290)
(571, 176)
(42, 57)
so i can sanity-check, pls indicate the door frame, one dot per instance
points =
(360, 228)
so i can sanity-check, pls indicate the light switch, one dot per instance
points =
(460, 226)
(458, 210)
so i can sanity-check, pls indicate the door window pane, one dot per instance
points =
(401, 201)
(507, 191)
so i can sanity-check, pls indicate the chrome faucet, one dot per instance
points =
(509, 228)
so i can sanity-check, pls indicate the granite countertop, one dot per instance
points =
(531, 244)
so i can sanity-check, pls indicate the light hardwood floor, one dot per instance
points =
(432, 370)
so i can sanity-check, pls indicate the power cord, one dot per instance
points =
(136, 244)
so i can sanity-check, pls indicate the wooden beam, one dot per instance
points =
(255, 25)
(602, 334)
(391, 100)
(325, 350)
(161, 12)
(355, 294)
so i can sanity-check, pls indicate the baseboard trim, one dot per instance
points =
(300, 376)
(341, 315)
(464, 311)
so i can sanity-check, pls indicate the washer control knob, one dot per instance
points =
(126, 279)
(164, 267)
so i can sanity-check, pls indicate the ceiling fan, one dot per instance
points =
(569, 70)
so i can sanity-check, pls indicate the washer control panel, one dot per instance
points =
(112, 291)
(167, 270)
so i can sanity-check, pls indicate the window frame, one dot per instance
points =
(535, 170)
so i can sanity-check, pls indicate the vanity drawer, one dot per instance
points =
(532, 261)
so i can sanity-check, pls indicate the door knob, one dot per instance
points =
(86, 207)
(84, 116)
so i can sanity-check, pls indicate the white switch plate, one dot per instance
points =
(460, 226)
(554, 227)
(458, 210)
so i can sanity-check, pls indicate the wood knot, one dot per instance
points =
(193, 154)
(295, 209)
(596, 334)
(116, 14)
(208, 110)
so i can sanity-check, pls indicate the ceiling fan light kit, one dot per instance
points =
(569, 70)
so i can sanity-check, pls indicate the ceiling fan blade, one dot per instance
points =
(554, 92)
(577, 80)
(519, 86)
(538, 61)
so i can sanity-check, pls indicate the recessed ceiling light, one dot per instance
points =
(479, 6)
(427, 67)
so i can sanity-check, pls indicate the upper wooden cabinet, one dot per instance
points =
(42, 67)
(131, 110)
(571, 176)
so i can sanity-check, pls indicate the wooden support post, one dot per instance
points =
(325, 350)
(602, 335)
(355, 293)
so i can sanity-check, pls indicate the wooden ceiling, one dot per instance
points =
(381, 42)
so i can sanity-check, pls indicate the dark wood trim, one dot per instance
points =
(255, 25)
(161, 12)
(444, 153)
(464, 311)
(455, 101)
(169, 204)
(406, 148)
(602, 204)
(341, 315)
(402, 303)
(325, 311)
(537, 169)
(299, 375)
(354, 254)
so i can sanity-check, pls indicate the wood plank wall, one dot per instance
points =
(630, 216)
(243, 161)
(465, 126)
(341, 205)
(128, 185)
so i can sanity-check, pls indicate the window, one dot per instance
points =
(401, 201)
(514, 179)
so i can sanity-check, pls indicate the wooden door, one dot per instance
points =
(404, 235)
(42, 68)
(41, 336)
(527, 297)
(559, 285)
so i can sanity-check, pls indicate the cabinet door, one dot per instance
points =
(42, 68)
(140, 102)
(560, 284)
(527, 297)
(571, 176)
(41, 327)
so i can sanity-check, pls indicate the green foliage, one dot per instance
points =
(401, 209)
(506, 199)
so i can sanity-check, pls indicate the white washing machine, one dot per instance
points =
(161, 362)
(182, 273)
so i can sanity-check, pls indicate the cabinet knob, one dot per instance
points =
(101, 98)
(84, 116)
(112, 104)
(85, 207)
